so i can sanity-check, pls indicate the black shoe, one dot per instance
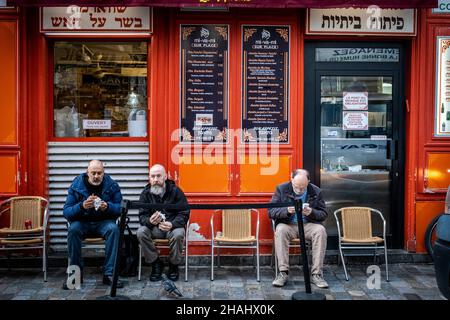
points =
(157, 268)
(173, 272)
(108, 280)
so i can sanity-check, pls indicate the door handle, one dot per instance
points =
(391, 149)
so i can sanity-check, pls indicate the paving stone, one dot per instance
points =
(408, 281)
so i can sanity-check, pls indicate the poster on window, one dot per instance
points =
(265, 84)
(442, 114)
(355, 100)
(204, 83)
(355, 120)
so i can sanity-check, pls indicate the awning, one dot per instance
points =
(233, 3)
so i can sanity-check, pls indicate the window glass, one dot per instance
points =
(100, 89)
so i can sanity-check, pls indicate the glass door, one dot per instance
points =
(354, 129)
(355, 135)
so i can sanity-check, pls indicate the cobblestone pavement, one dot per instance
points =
(407, 282)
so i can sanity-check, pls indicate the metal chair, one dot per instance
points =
(236, 233)
(294, 243)
(28, 218)
(357, 232)
(164, 244)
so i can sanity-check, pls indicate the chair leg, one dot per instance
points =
(44, 261)
(343, 262)
(257, 262)
(386, 262)
(375, 254)
(140, 263)
(186, 261)
(212, 262)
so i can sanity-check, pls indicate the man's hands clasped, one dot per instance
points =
(158, 218)
(90, 203)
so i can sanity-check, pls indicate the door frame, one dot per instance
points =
(311, 145)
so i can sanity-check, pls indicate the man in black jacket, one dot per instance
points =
(162, 224)
(314, 213)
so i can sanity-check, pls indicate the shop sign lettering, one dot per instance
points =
(98, 19)
(96, 124)
(371, 20)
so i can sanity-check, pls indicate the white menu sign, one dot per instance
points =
(355, 100)
(355, 120)
(442, 114)
(96, 19)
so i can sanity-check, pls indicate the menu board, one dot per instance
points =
(442, 123)
(265, 89)
(204, 83)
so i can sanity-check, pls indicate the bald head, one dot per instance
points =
(95, 172)
(300, 181)
(157, 179)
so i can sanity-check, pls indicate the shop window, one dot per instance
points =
(100, 89)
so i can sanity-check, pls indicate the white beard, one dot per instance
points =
(157, 190)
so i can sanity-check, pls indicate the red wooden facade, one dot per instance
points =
(25, 104)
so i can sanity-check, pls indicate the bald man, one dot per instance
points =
(314, 212)
(162, 224)
(92, 207)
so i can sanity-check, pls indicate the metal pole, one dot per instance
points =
(123, 216)
(308, 294)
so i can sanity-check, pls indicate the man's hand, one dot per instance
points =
(155, 218)
(307, 211)
(165, 226)
(89, 202)
(291, 210)
(103, 206)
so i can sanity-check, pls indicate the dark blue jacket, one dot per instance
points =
(78, 193)
(285, 193)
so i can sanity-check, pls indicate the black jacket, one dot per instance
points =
(285, 193)
(173, 195)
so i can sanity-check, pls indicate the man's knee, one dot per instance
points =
(320, 232)
(75, 230)
(281, 230)
(177, 234)
(141, 233)
(112, 229)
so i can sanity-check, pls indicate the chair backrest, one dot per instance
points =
(23, 208)
(237, 223)
(356, 223)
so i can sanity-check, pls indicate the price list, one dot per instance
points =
(265, 89)
(204, 83)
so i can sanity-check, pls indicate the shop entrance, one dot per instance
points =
(353, 128)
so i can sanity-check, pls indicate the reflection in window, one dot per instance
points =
(100, 89)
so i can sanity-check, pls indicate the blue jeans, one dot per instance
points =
(80, 230)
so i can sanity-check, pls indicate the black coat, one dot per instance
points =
(285, 193)
(173, 195)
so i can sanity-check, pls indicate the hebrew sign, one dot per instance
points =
(96, 19)
(372, 20)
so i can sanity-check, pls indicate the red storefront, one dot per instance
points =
(231, 97)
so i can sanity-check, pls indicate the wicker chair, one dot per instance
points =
(164, 244)
(236, 233)
(357, 232)
(21, 234)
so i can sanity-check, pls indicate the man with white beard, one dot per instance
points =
(92, 207)
(162, 224)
